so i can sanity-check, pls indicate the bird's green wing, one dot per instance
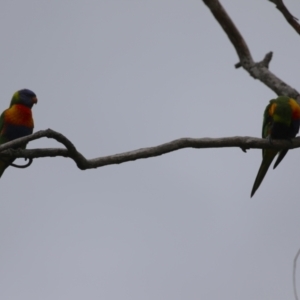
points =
(1, 125)
(3, 139)
(268, 119)
(4, 163)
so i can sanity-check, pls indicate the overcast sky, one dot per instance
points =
(117, 75)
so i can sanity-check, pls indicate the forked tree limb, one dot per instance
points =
(258, 70)
(84, 163)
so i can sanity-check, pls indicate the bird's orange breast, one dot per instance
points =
(19, 115)
(295, 109)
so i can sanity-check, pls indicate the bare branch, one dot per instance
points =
(232, 32)
(258, 70)
(83, 163)
(293, 21)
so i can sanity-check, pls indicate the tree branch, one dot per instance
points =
(294, 274)
(71, 151)
(293, 21)
(258, 70)
(84, 163)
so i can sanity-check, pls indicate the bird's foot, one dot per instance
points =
(244, 149)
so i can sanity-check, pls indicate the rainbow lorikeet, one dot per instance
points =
(16, 121)
(281, 121)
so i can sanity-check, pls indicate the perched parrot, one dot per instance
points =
(16, 121)
(281, 121)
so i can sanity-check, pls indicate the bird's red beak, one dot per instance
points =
(34, 100)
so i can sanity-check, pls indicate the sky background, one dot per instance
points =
(115, 76)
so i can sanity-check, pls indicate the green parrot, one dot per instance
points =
(281, 121)
(16, 121)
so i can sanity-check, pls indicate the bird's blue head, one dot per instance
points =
(25, 97)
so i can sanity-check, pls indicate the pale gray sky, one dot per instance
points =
(115, 76)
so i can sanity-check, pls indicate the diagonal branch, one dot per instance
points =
(84, 163)
(232, 32)
(258, 70)
(293, 21)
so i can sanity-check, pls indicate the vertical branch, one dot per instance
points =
(294, 274)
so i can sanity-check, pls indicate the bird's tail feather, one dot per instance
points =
(280, 157)
(267, 160)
